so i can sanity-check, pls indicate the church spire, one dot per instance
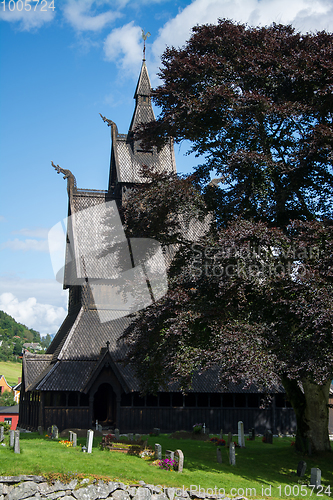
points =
(143, 112)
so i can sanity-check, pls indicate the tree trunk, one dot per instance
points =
(311, 410)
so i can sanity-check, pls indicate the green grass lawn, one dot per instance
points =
(11, 371)
(261, 466)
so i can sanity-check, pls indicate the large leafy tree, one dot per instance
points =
(252, 296)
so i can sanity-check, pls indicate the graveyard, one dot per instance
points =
(260, 467)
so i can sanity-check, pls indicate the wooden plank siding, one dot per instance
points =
(143, 419)
(66, 418)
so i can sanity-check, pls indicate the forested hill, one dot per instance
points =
(13, 335)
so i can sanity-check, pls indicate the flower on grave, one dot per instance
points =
(220, 442)
(168, 464)
(214, 439)
(292, 443)
(197, 428)
(264, 439)
(66, 443)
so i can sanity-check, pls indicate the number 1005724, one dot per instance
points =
(27, 5)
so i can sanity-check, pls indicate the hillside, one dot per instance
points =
(13, 335)
(11, 371)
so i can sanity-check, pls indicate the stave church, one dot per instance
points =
(80, 380)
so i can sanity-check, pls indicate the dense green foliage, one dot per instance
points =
(13, 335)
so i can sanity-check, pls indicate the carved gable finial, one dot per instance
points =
(71, 181)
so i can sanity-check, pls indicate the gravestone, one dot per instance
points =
(232, 454)
(73, 438)
(2, 433)
(229, 439)
(301, 468)
(99, 428)
(17, 442)
(252, 434)
(268, 437)
(11, 438)
(137, 437)
(156, 431)
(49, 431)
(158, 451)
(241, 438)
(170, 454)
(40, 430)
(218, 455)
(90, 437)
(55, 432)
(117, 434)
(315, 477)
(130, 436)
(221, 434)
(179, 457)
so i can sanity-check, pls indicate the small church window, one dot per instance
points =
(164, 399)
(177, 399)
(202, 400)
(190, 400)
(151, 400)
(215, 400)
(138, 400)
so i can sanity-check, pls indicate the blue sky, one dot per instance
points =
(59, 69)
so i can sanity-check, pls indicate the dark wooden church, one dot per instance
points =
(79, 379)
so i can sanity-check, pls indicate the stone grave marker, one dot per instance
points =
(229, 439)
(218, 455)
(137, 437)
(252, 434)
(221, 434)
(301, 468)
(315, 477)
(40, 430)
(11, 438)
(130, 436)
(55, 432)
(156, 431)
(49, 431)
(73, 438)
(179, 457)
(90, 438)
(241, 438)
(269, 437)
(158, 451)
(117, 434)
(99, 428)
(2, 433)
(170, 454)
(17, 442)
(232, 454)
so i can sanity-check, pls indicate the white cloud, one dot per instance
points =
(124, 46)
(43, 318)
(38, 232)
(83, 16)
(28, 19)
(304, 15)
(26, 245)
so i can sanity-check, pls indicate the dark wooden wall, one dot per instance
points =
(171, 419)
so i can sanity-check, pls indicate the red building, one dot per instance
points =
(10, 414)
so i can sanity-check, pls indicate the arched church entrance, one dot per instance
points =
(105, 406)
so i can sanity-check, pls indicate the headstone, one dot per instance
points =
(117, 434)
(74, 440)
(40, 430)
(90, 437)
(137, 437)
(241, 439)
(17, 442)
(269, 437)
(252, 434)
(11, 438)
(301, 468)
(221, 434)
(229, 439)
(2, 433)
(315, 477)
(232, 454)
(55, 432)
(130, 436)
(170, 454)
(99, 428)
(156, 431)
(179, 457)
(218, 455)
(49, 431)
(158, 451)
